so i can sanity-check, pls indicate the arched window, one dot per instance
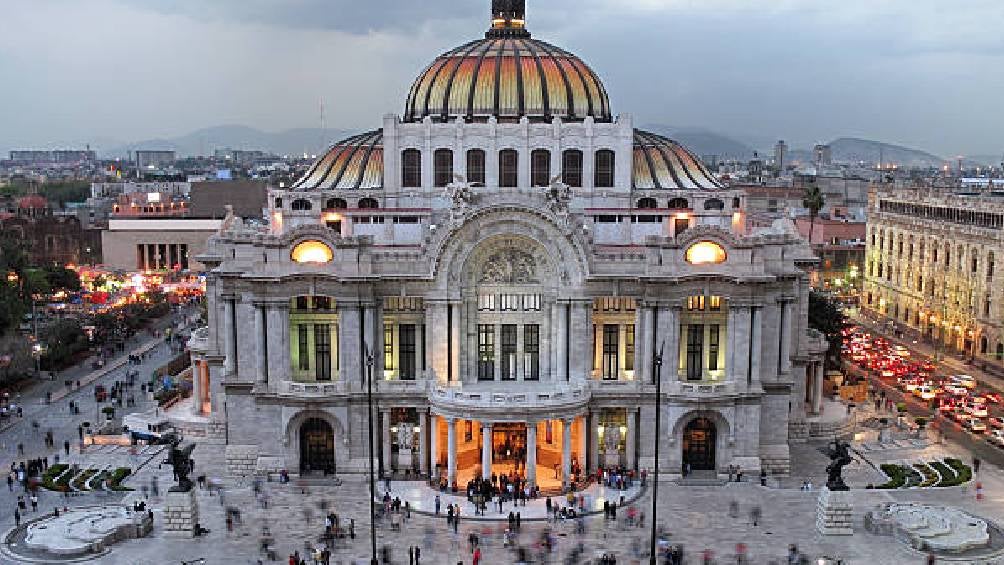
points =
(411, 168)
(442, 167)
(571, 168)
(278, 202)
(300, 205)
(603, 176)
(368, 203)
(336, 204)
(540, 167)
(476, 167)
(508, 168)
(679, 204)
(646, 203)
(714, 204)
(736, 203)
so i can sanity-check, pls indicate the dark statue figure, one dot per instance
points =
(180, 460)
(839, 458)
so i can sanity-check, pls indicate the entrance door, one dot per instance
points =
(509, 443)
(699, 445)
(317, 447)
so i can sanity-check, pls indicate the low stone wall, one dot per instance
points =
(242, 460)
(181, 514)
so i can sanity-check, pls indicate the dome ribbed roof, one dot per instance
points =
(660, 162)
(507, 77)
(353, 163)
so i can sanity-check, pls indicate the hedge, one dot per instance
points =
(897, 476)
(115, 481)
(964, 472)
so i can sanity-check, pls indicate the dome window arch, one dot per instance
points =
(368, 203)
(646, 203)
(508, 168)
(603, 175)
(571, 168)
(411, 168)
(706, 253)
(442, 167)
(301, 205)
(540, 167)
(336, 204)
(679, 204)
(714, 204)
(476, 166)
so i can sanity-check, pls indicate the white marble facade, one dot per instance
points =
(534, 311)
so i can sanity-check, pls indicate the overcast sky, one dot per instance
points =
(924, 73)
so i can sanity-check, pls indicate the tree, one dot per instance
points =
(826, 316)
(61, 278)
(814, 201)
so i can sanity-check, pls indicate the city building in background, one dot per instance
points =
(48, 236)
(932, 269)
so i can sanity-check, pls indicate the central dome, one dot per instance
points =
(507, 75)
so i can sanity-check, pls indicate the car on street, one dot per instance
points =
(995, 423)
(963, 380)
(956, 390)
(994, 397)
(925, 392)
(996, 437)
(977, 410)
(974, 425)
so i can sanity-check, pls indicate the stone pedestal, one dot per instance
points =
(405, 460)
(181, 513)
(611, 458)
(834, 514)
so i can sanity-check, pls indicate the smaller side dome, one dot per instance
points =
(353, 163)
(660, 162)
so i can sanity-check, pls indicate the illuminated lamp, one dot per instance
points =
(312, 252)
(705, 253)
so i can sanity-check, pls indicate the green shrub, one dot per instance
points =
(931, 477)
(115, 480)
(897, 476)
(80, 483)
(964, 472)
(51, 474)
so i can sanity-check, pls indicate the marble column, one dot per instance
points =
(596, 351)
(786, 336)
(423, 443)
(594, 440)
(756, 332)
(561, 341)
(580, 339)
(197, 387)
(433, 444)
(486, 450)
(278, 358)
(230, 336)
(731, 340)
(643, 343)
(451, 454)
(455, 332)
(531, 452)
(566, 452)
(817, 387)
(260, 343)
(351, 362)
(385, 422)
(631, 445)
(668, 341)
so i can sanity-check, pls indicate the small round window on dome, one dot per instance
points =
(705, 253)
(312, 252)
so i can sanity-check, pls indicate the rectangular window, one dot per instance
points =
(540, 167)
(571, 168)
(486, 302)
(322, 352)
(508, 167)
(476, 167)
(713, 347)
(531, 352)
(442, 167)
(716, 303)
(301, 351)
(301, 302)
(697, 303)
(609, 367)
(510, 302)
(531, 302)
(486, 352)
(629, 347)
(406, 352)
(603, 175)
(695, 349)
(388, 347)
(680, 225)
(508, 352)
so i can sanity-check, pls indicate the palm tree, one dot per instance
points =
(814, 201)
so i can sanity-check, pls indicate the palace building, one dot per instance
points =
(512, 266)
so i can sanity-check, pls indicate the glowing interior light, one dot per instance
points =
(312, 252)
(705, 253)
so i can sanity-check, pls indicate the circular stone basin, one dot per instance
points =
(942, 530)
(81, 531)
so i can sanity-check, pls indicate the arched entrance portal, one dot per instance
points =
(699, 445)
(317, 447)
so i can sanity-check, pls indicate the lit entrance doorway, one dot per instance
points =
(509, 445)
(699, 445)
(317, 447)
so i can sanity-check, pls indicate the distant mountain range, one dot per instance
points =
(310, 141)
(703, 142)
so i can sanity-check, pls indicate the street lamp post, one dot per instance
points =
(369, 408)
(657, 366)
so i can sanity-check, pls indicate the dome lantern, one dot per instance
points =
(508, 19)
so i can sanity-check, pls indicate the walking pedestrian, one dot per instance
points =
(34, 502)
(437, 505)
(17, 517)
(755, 516)
(66, 446)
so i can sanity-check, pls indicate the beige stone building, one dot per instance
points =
(931, 268)
(515, 268)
